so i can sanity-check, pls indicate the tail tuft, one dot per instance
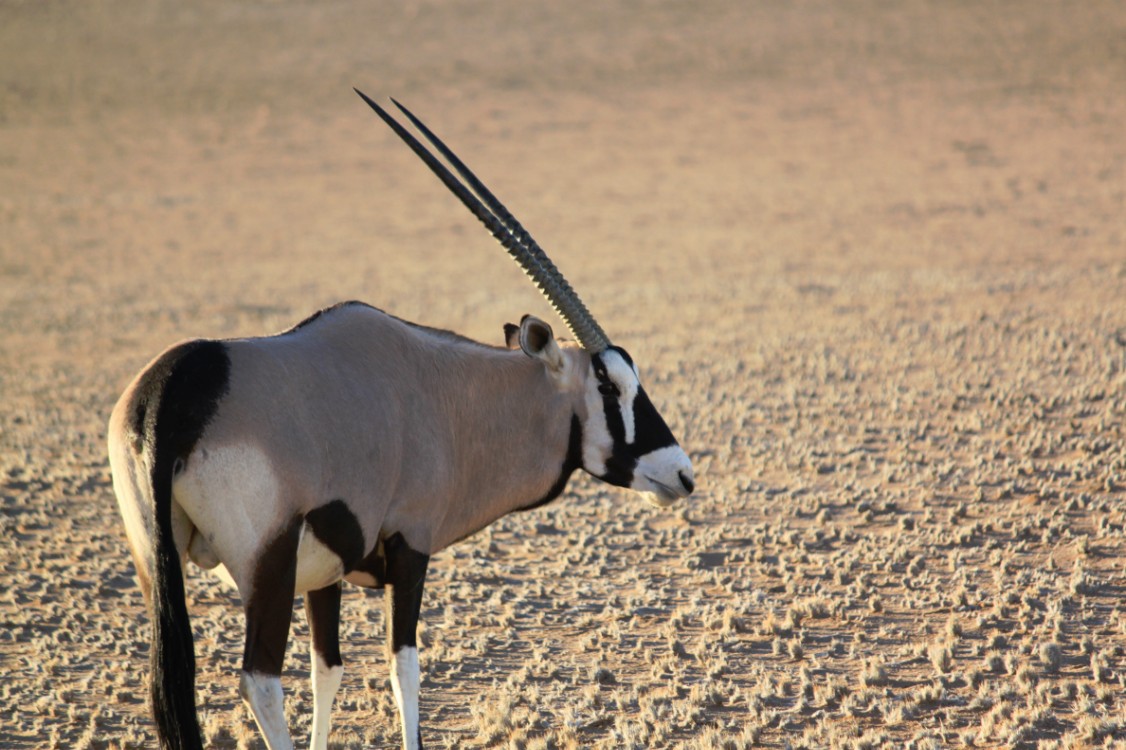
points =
(172, 655)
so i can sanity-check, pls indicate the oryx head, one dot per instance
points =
(625, 441)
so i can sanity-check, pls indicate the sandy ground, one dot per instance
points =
(870, 257)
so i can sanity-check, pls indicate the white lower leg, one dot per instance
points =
(404, 684)
(263, 693)
(326, 681)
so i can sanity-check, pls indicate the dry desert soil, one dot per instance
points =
(870, 258)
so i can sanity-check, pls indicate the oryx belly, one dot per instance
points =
(317, 565)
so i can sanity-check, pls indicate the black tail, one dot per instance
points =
(177, 396)
(172, 653)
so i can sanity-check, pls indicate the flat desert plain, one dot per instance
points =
(870, 258)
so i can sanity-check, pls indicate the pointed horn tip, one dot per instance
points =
(592, 340)
(370, 102)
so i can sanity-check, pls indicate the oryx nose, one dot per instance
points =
(686, 481)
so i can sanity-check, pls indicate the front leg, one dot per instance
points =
(406, 571)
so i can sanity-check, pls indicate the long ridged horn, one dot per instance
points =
(504, 227)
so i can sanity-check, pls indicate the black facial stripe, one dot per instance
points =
(613, 409)
(651, 431)
(615, 423)
(619, 469)
(623, 457)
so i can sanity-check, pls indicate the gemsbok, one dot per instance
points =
(353, 447)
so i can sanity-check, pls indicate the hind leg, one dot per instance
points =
(322, 607)
(406, 572)
(269, 607)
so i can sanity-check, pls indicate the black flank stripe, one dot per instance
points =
(336, 527)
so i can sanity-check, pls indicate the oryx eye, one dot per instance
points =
(609, 389)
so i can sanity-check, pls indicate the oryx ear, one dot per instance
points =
(512, 336)
(537, 340)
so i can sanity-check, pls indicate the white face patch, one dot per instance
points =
(662, 473)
